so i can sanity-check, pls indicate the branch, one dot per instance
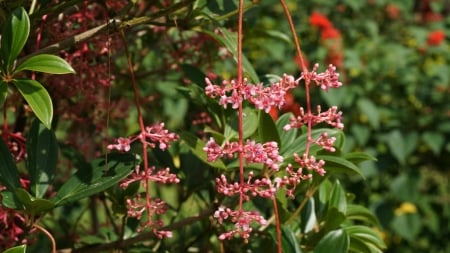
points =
(113, 26)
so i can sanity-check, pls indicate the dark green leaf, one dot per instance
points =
(37, 98)
(196, 145)
(338, 198)
(102, 174)
(286, 137)
(267, 129)
(17, 249)
(336, 164)
(34, 206)
(336, 241)
(9, 176)
(46, 63)
(14, 36)
(42, 150)
(194, 74)
(435, 141)
(358, 157)
(309, 219)
(289, 241)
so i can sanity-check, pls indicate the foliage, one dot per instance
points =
(249, 164)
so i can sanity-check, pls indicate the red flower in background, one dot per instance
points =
(330, 33)
(436, 38)
(320, 21)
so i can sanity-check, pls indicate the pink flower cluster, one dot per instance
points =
(332, 117)
(259, 187)
(153, 134)
(264, 98)
(326, 80)
(253, 152)
(242, 221)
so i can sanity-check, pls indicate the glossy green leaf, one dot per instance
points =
(333, 219)
(42, 150)
(14, 36)
(46, 63)
(408, 225)
(361, 213)
(338, 198)
(336, 164)
(229, 41)
(3, 92)
(267, 129)
(309, 218)
(336, 241)
(299, 144)
(289, 240)
(34, 206)
(358, 157)
(17, 249)
(102, 174)
(286, 137)
(365, 234)
(9, 176)
(196, 145)
(37, 98)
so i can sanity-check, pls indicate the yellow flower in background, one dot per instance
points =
(405, 208)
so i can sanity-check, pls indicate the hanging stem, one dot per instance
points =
(240, 109)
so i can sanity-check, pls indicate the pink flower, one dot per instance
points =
(123, 145)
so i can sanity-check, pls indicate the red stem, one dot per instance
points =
(240, 110)
(277, 225)
(304, 70)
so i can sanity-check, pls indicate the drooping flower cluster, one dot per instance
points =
(151, 136)
(264, 98)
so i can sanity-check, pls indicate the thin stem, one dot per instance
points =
(294, 35)
(308, 195)
(240, 110)
(277, 225)
(50, 236)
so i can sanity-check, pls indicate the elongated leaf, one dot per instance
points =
(365, 234)
(14, 36)
(267, 129)
(338, 199)
(358, 157)
(3, 92)
(357, 212)
(46, 63)
(34, 206)
(196, 145)
(286, 137)
(9, 176)
(17, 249)
(42, 150)
(289, 240)
(37, 98)
(336, 241)
(229, 40)
(100, 176)
(336, 164)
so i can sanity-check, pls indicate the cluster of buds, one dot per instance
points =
(151, 136)
(265, 98)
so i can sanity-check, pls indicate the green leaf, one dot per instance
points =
(3, 92)
(286, 137)
(35, 206)
(46, 63)
(17, 249)
(289, 240)
(338, 198)
(358, 157)
(102, 174)
(37, 98)
(408, 225)
(194, 74)
(336, 164)
(14, 36)
(435, 141)
(267, 129)
(229, 40)
(196, 146)
(42, 150)
(336, 241)
(366, 234)
(361, 213)
(9, 176)
(309, 218)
